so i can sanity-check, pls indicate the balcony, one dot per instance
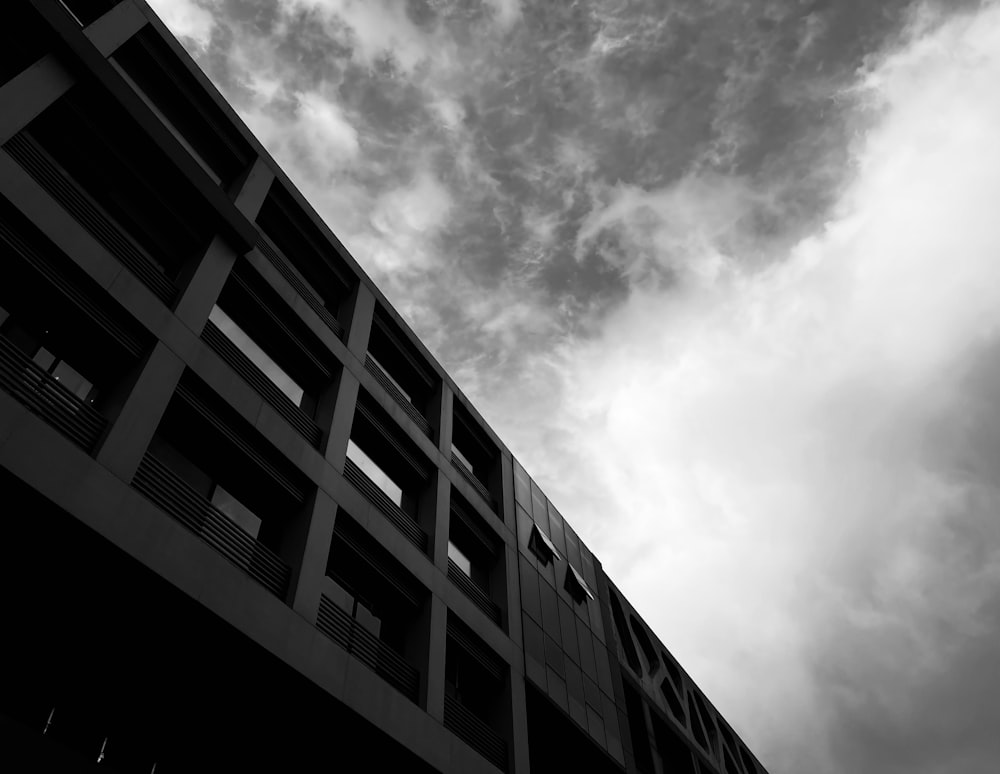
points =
(400, 370)
(474, 559)
(171, 493)
(474, 732)
(390, 473)
(257, 336)
(373, 607)
(305, 256)
(474, 709)
(43, 394)
(475, 456)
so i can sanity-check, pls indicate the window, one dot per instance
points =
(48, 361)
(541, 546)
(237, 512)
(375, 473)
(258, 356)
(461, 560)
(577, 586)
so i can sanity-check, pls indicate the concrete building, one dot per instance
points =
(250, 523)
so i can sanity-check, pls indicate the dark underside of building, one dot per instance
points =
(250, 522)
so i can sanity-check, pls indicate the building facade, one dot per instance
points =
(251, 524)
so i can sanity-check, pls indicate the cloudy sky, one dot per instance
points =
(725, 276)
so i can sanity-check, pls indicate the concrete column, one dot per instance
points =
(506, 507)
(206, 279)
(343, 397)
(26, 95)
(361, 309)
(446, 421)
(436, 643)
(442, 519)
(115, 28)
(519, 724)
(205, 283)
(307, 547)
(131, 432)
(253, 188)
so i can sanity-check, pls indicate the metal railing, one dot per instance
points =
(344, 630)
(399, 518)
(471, 477)
(479, 736)
(50, 176)
(252, 375)
(383, 379)
(478, 595)
(175, 496)
(274, 256)
(42, 394)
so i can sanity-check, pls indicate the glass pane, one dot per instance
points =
(44, 359)
(459, 559)
(248, 347)
(375, 473)
(461, 457)
(71, 379)
(237, 512)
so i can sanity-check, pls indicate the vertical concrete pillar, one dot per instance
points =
(307, 547)
(436, 644)
(442, 518)
(446, 421)
(251, 191)
(131, 432)
(343, 398)
(204, 284)
(361, 312)
(519, 724)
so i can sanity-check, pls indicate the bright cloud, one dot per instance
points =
(779, 453)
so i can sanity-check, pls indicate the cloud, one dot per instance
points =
(791, 451)
(186, 19)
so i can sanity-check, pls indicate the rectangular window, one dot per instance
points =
(258, 356)
(460, 559)
(375, 473)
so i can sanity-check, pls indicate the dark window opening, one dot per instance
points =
(474, 455)
(24, 39)
(676, 756)
(652, 662)
(540, 545)
(637, 730)
(373, 589)
(624, 637)
(390, 471)
(85, 12)
(475, 558)
(120, 169)
(400, 369)
(174, 95)
(475, 676)
(305, 256)
(577, 586)
(673, 702)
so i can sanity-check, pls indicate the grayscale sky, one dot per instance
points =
(725, 276)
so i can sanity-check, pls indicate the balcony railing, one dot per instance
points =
(399, 518)
(367, 648)
(478, 595)
(169, 491)
(256, 378)
(411, 411)
(269, 251)
(50, 176)
(42, 394)
(479, 736)
(471, 477)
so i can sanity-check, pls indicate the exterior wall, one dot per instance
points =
(545, 641)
